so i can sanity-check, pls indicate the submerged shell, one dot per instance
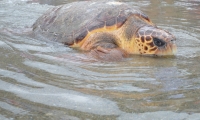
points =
(70, 23)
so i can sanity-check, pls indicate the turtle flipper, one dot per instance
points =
(108, 54)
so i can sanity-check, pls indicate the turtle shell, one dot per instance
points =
(70, 23)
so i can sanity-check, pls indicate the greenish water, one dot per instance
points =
(45, 80)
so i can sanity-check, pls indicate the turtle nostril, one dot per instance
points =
(173, 41)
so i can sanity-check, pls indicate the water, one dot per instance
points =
(46, 80)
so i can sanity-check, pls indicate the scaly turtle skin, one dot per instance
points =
(109, 30)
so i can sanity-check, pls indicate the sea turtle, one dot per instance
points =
(108, 30)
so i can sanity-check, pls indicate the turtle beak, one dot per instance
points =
(173, 46)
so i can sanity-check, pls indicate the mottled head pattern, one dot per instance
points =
(151, 40)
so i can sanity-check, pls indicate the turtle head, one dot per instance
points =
(151, 40)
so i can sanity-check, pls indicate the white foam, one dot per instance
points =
(114, 3)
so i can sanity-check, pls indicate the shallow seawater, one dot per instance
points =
(47, 80)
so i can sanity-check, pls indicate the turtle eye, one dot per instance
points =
(158, 42)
